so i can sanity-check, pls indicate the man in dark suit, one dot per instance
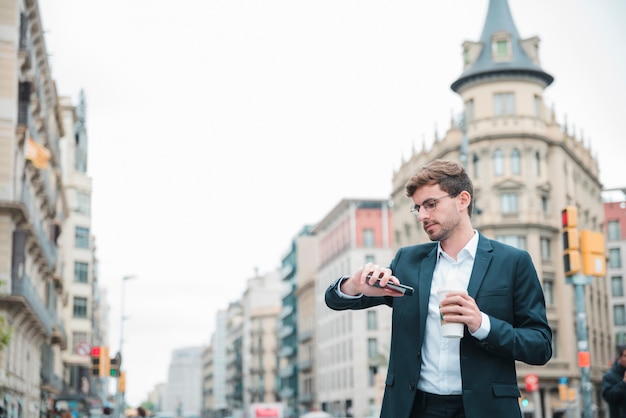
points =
(501, 306)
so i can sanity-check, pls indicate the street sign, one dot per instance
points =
(83, 349)
(532, 382)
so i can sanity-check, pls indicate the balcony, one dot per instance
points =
(286, 351)
(34, 219)
(305, 365)
(285, 331)
(287, 371)
(23, 290)
(305, 336)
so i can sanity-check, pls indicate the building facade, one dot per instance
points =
(261, 304)
(288, 336)
(352, 347)
(525, 167)
(183, 389)
(307, 260)
(615, 215)
(32, 209)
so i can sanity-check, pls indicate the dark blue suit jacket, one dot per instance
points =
(505, 285)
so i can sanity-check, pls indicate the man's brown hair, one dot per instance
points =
(449, 175)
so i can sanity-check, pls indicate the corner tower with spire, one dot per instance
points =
(525, 168)
(500, 53)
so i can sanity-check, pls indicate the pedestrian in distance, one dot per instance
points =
(499, 302)
(614, 385)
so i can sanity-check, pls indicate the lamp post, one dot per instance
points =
(120, 395)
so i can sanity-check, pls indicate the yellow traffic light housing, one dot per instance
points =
(121, 383)
(592, 251)
(105, 361)
(571, 241)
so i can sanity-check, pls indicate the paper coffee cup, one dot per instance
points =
(450, 329)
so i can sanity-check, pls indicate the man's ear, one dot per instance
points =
(465, 198)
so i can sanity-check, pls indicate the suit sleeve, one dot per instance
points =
(338, 303)
(526, 336)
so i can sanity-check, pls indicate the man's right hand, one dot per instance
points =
(361, 282)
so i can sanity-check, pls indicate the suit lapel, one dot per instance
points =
(481, 264)
(426, 271)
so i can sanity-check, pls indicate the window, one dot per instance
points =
(80, 307)
(83, 202)
(544, 204)
(555, 353)
(81, 237)
(371, 378)
(537, 106)
(368, 238)
(503, 104)
(476, 160)
(613, 230)
(618, 315)
(548, 291)
(508, 203)
(469, 111)
(498, 162)
(517, 241)
(615, 258)
(77, 338)
(537, 165)
(466, 56)
(617, 286)
(372, 348)
(502, 48)
(516, 167)
(81, 272)
(546, 249)
(372, 322)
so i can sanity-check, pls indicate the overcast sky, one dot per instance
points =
(218, 129)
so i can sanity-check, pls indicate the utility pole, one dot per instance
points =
(120, 392)
(583, 258)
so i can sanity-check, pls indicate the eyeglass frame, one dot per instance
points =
(429, 204)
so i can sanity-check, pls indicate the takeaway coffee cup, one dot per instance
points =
(450, 329)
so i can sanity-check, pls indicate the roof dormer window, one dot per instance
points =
(501, 48)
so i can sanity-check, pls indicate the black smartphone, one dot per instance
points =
(402, 288)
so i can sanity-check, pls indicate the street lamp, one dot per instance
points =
(120, 395)
(122, 315)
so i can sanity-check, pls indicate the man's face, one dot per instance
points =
(622, 359)
(439, 221)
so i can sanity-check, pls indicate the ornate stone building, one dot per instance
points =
(525, 167)
(32, 208)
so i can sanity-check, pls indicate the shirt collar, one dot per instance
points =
(468, 251)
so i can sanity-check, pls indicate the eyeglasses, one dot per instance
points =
(428, 204)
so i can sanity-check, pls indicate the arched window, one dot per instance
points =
(516, 167)
(498, 162)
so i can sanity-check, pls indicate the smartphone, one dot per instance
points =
(402, 288)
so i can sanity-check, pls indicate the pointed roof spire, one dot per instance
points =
(501, 50)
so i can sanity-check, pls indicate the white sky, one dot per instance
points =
(218, 129)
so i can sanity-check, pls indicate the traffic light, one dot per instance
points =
(571, 241)
(95, 360)
(99, 361)
(121, 383)
(115, 363)
(592, 251)
(113, 370)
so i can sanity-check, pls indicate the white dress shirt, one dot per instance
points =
(441, 365)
